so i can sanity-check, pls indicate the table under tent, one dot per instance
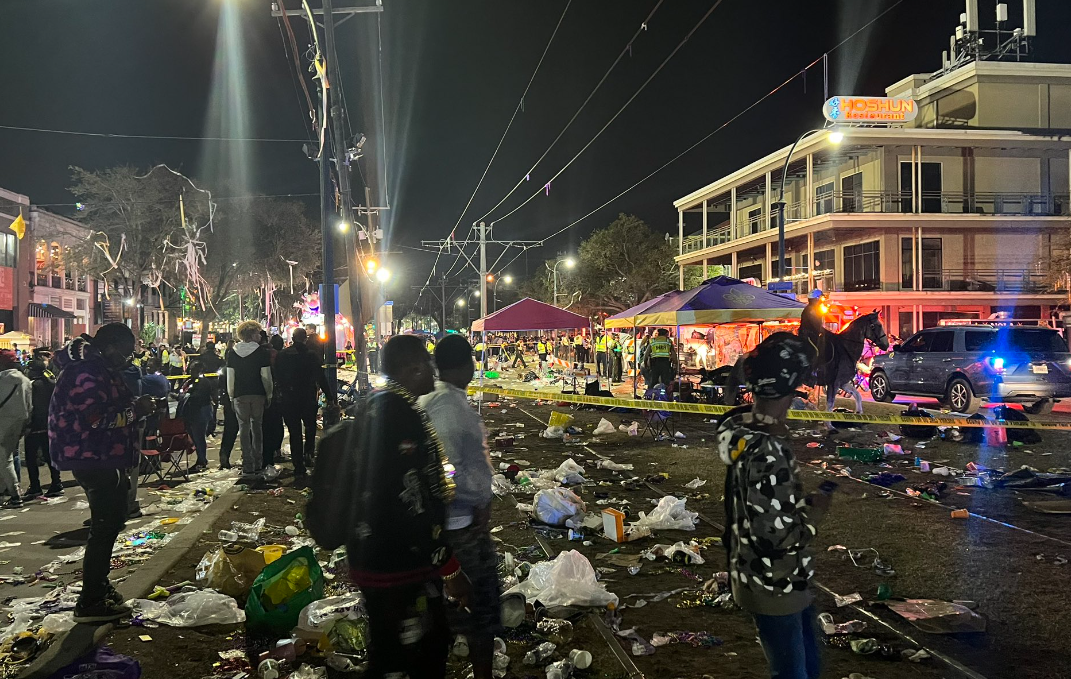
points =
(713, 323)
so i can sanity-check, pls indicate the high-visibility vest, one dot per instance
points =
(541, 347)
(430, 346)
(661, 347)
(479, 346)
(579, 341)
(600, 345)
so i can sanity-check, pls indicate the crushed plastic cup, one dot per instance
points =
(460, 647)
(268, 669)
(960, 514)
(563, 669)
(539, 653)
(580, 659)
(228, 536)
(292, 531)
(500, 645)
(556, 631)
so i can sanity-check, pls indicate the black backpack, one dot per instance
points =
(331, 511)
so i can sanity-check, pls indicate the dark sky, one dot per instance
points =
(454, 71)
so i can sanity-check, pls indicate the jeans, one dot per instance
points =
(106, 492)
(10, 434)
(300, 412)
(408, 631)
(37, 449)
(197, 418)
(791, 644)
(230, 434)
(250, 413)
(273, 432)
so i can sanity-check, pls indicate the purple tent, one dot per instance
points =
(719, 300)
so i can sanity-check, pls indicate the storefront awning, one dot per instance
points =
(48, 311)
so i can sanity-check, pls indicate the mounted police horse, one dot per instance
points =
(838, 354)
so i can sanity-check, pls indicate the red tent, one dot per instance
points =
(529, 314)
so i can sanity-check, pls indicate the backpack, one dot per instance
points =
(330, 514)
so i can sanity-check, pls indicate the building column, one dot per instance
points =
(705, 244)
(810, 261)
(769, 203)
(680, 232)
(769, 262)
(808, 208)
(732, 264)
(680, 283)
(732, 213)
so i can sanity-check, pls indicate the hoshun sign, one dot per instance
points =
(852, 109)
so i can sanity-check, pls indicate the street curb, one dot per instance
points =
(69, 646)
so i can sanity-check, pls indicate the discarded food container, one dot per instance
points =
(539, 653)
(861, 454)
(924, 466)
(613, 524)
(563, 669)
(960, 514)
(268, 669)
(271, 552)
(512, 609)
(580, 659)
(228, 536)
(996, 436)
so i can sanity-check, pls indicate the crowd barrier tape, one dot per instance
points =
(186, 377)
(804, 415)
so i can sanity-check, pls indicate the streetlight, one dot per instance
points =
(509, 281)
(383, 275)
(835, 137)
(569, 264)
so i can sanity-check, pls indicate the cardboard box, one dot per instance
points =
(613, 525)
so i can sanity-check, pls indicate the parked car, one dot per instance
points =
(965, 365)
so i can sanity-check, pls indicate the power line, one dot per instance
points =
(619, 111)
(214, 199)
(520, 106)
(728, 122)
(626, 49)
(113, 135)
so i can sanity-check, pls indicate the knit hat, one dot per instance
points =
(778, 365)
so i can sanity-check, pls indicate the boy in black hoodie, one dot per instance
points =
(42, 384)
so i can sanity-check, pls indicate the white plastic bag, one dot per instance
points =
(605, 427)
(320, 615)
(569, 472)
(669, 514)
(55, 623)
(691, 549)
(553, 433)
(695, 483)
(555, 505)
(613, 466)
(191, 609)
(568, 580)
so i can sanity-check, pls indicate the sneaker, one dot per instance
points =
(113, 596)
(31, 494)
(104, 611)
(14, 503)
(54, 491)
(135, 514)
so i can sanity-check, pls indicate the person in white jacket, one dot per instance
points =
(15, 406)
(249, 386)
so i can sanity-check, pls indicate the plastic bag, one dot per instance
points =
(938, 617)
(695, 483)
(555, 505)
(568, 580)
(191, 609)
(553, 433)
(282, 590)
(309, 672)
(320, 615)
(249, 532)
(669, 514)
(569, 472)
(230, 570)
(605, 427)
(55, 623)
(683, 552)
(102, 662)
(613, 466)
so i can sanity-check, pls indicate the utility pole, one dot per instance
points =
(483, 269)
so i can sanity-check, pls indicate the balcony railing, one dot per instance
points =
(992, 280)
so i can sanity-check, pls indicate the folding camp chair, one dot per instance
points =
(166, 451)
(657, 421)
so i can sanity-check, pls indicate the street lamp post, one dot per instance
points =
(835, 137)
(569, 264)
(508, 279)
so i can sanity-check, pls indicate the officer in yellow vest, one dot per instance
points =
(430, 346)
(661, 359)
(614, 365)
(600, 356)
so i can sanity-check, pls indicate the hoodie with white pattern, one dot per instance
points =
(768, 520)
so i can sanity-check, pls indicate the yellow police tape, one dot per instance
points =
(806, 415)
(186, 377)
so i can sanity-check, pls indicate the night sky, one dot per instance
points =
(454, 71)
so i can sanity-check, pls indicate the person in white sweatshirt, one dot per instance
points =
(15, 407)
(249, 385)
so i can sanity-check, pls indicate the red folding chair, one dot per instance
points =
(166, 452)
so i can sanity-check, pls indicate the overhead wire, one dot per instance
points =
(619, 111)
(115, 135)
(627, 49)
(285, 21)
(728, 122)
(519, 107)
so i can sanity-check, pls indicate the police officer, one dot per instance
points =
(661, 359)
(541, 350)
(615, 362)
(600, 356)
(812, 318)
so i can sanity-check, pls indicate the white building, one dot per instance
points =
(63, 297)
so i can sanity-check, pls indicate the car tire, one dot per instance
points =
(960, 397)
(879, 388)
(1042, 407)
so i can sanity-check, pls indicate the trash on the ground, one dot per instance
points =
(605, 427)
(961, 514)
(668, 514)
(679, 435)
(556, 631)
(569, 473)
(460, 647)
(695, 483)
(860, 454)
(938, 617)
(309, 672)
(80, 505)
(825, 620)
(102, 662)
(892, 449)
(680, 552)
(512, 609)
(539, 653)
(282, 590)
(556, 505)
(567, 580)
(613, 466)
(581, 659)
(319, 616)
(248, 532)
(230, 570)
(191, 608)
(847, 599)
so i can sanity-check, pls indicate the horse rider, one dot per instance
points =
(812, 320)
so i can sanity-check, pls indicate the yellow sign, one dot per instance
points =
(852, 109)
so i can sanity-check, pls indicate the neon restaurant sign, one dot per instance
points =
(852, 109)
